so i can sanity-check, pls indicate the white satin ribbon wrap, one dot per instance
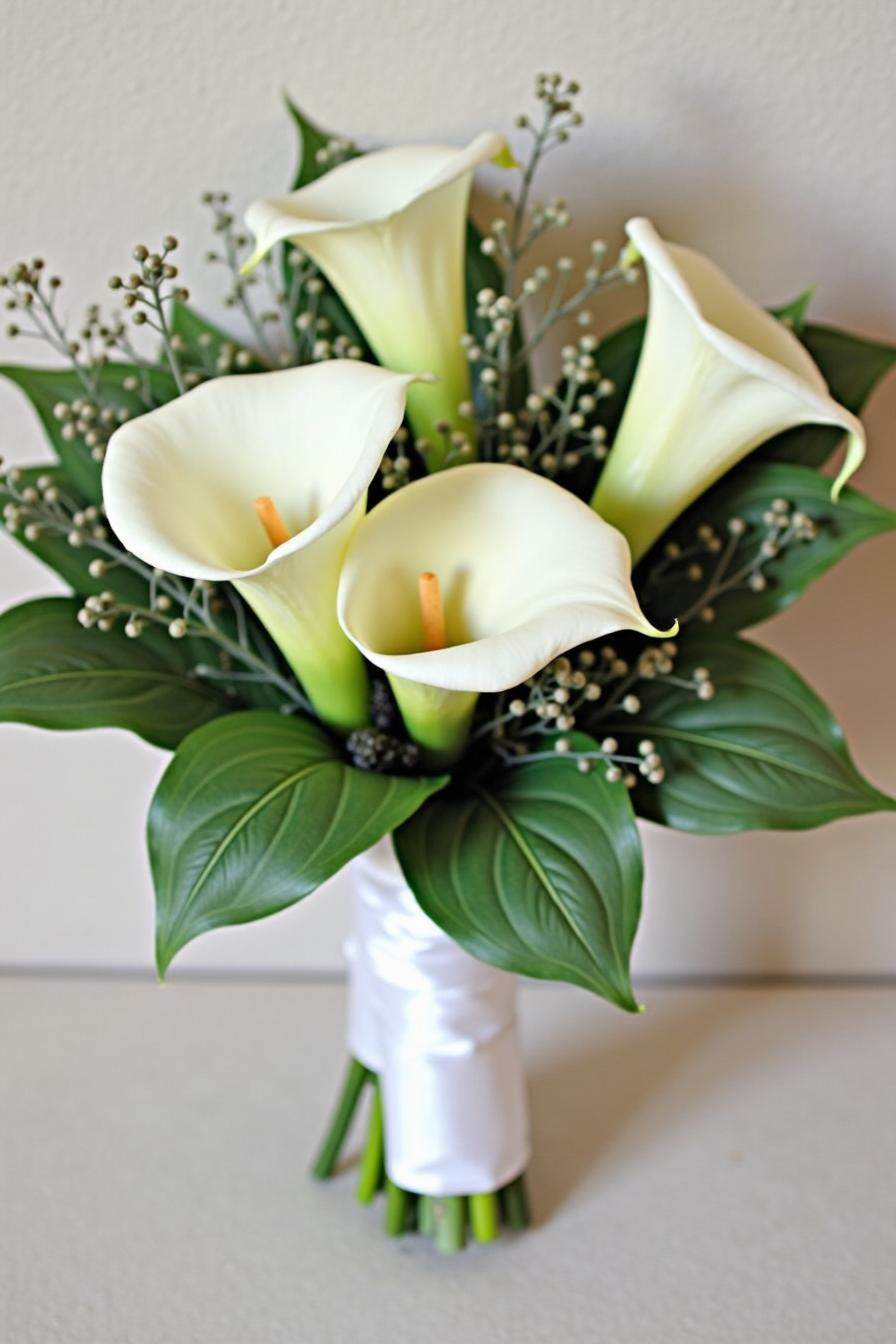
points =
(440, 1029)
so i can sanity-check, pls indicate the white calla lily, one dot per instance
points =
(717, 377)
(180, 485)
(526, 570)
(388, 230)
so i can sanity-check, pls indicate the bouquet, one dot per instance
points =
(391, 601)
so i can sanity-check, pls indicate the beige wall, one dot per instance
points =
(761, 133)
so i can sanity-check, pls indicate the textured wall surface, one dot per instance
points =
(761, 134)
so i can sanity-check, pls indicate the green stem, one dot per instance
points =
(371, 1175)
(426, 1223)
(484, 1217)
(165, 333)
(88, 379)
(355, 1078)
(396, 1209)
(450, 1218)
(516, 1204)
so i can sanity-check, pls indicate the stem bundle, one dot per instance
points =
(447, 1219)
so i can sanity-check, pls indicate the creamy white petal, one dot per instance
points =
(366, 190)
(717, 377)
(180, 485)
(526, 570)
(388, 229)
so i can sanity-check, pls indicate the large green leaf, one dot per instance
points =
(55, 674)
(852, 368)
(537, 872)
(45, 387)
(253, 813)
(747, 494)
(763, 754)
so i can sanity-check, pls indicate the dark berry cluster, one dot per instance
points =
(372, 749)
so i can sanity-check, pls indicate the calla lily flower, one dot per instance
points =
(388, 230)
(526, 570)
(717, 377)
(180, 485)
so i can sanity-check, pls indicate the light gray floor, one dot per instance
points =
(720, 1169)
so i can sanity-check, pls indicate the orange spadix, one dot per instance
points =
(271, 521)
(432, 612)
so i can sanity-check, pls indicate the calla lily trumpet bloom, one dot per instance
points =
(388, 230)
(717, 377)
(180, 486)
(526, 569)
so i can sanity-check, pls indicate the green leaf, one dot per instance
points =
(55, 674)
(538, 872)
(794, 312)
(310, 138)
(45, 387)
(253, 813)
(807, 445)
(747, 493)
(763, 754)
(852, 368)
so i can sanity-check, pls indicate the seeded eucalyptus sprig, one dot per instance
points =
(554, 430)
(708, 562)
(512, 324)
(89, 349)
(231, 253)
(287, 325)
(578, 693)
(34, 297)
(150, 293)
